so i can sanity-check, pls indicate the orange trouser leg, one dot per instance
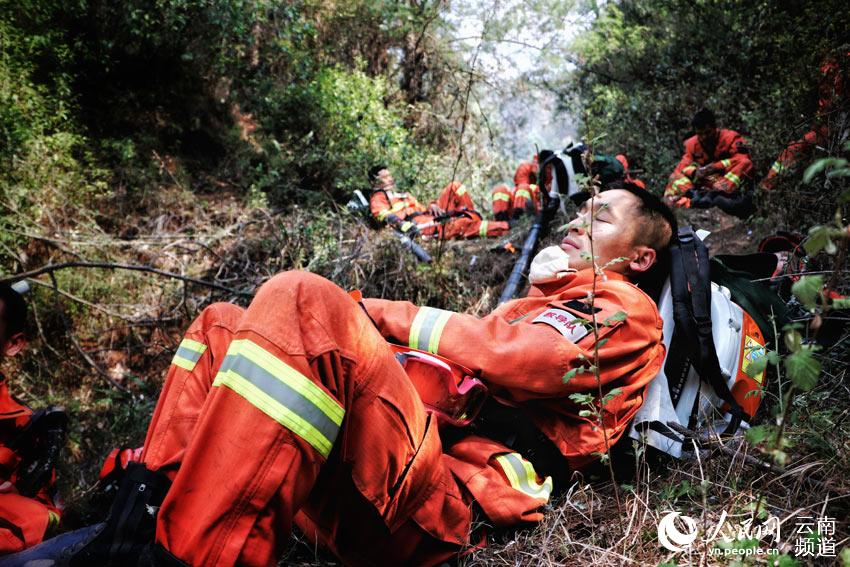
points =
(309, 395)
(501, 198)
(464, 227)
(187, 386)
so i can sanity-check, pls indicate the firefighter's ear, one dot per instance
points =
(643, 257)
(15, 344)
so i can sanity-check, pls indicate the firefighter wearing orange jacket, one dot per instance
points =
(831, 90)
(452, 215)
(311, 420)
(24, 518)
(510, 203)
(715, 160)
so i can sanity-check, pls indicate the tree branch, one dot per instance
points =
(50, 268)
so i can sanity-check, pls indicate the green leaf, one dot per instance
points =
(615, 318)
(756, 367)
(585, 413)
(581, 399)
(603, 342)
(807, 289)
(820, 238)
(844, 556)
(841, 303)
(773, 357)
(803, 368)
(820, 165)
(570, 375)
(757, 434)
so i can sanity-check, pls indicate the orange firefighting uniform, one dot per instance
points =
(310, 419)
(23, 520)
(730, 157)
(830, 91)
(453, 198)
(525, 196)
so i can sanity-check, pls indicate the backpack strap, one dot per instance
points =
(691, 290)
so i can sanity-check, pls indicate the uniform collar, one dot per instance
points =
(582, 277)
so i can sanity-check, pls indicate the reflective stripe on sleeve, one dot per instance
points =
(482, 230)
(282, 393)
(382, 215)
(461, 190)
(52, 519)
(523, 193)
(726, 163)
(777, 167)
(501, 197)
(188, 354)
(522, 476)
(733, 179)
(427, 327)
(399, 206)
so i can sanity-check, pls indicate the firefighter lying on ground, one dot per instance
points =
(712, 170)
(297, 412)
(452, 215)
(27, 507)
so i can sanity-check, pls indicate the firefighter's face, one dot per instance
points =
(707, 136)
(385, 180)
(611, 219)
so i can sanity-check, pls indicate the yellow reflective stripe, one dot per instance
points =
(461, 190)
(523, 193)
(383, 214)
(681, 182)
(482, 230)
(427, 328)
(405, 226)
(734, 179)
(52, 519)
(533, 187)
(689, 169)
(399, 206)
(777, 167)
(726, 163)
(188, 354)
(522, 476)
(501, 197)
(282, 393)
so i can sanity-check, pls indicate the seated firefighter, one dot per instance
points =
(297, 411)
(29, 443)
(524, 198)
(711, 172)
(452, 215)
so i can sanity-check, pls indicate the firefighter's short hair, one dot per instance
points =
(375, 170)
(13, 311)
(704, 118)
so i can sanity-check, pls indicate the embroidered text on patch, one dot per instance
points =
(565, 322)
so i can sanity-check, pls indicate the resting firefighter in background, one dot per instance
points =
(509, 204)
(711, 172)
(832, 89)
(29, 444)
(298, 411)
(452, 215)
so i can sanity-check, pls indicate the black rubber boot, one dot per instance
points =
(132, 520)
(126, 538)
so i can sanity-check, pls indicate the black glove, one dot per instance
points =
(40, 443)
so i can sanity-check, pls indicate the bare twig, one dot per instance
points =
(50, 268)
